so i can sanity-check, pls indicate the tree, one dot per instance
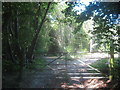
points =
(22, 23)
(105, 30)
(33, 43)
(18, 12)
(104, 14)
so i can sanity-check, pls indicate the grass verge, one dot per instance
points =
(103, 66)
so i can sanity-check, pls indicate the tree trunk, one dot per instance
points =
(111, 62)
(30, 51)
(9, 47)
(18, 50)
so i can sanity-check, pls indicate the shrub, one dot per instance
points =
(36, 64)
(9, 66)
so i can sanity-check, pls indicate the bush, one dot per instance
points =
(9, 66)
(36, 64)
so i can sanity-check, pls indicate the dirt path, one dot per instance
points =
(63, 74)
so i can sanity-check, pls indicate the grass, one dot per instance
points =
(101, 65)
(37, 64)
(117, 68)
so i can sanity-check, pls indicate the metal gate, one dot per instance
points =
(60, 71)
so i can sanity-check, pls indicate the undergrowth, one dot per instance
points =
(103, 66)
(9, 66)
(36, 64)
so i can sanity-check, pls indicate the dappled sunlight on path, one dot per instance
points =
(75, 73)
(90, 83)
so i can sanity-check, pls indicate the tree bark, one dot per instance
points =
(111, 62)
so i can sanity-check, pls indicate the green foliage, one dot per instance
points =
(20, 22)
(37, 64)
(104, 28)
(43, 41)
(117, 68)
(8, 66)
(101, 65)
(103, 14)
(60, 31)
(69, 49)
